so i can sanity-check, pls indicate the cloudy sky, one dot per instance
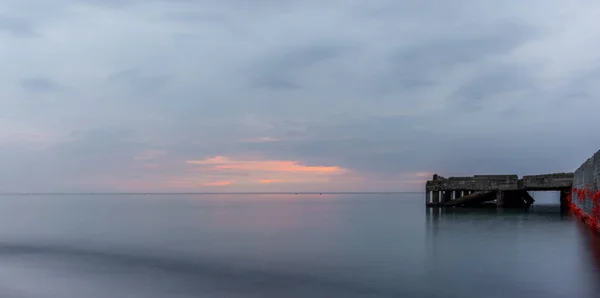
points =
(292, 95)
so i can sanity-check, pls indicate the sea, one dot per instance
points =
(288, 246)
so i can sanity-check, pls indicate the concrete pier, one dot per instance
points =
(505, 190)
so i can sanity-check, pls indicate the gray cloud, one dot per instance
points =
(277, 71)
(499, 39)
(16, 27)
(277, 84)
(495, 82)
(110, 3)
(40, 84)
(194, 17)
(384, 89)
(137, 81)
(426, 64)
(583, 84)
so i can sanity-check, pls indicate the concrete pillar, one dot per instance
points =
(427, 197)
(500, 199)
(436, 197)
(564, 204)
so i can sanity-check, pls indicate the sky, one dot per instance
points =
(292, 95)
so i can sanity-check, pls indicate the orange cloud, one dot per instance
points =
(270, 180)
(257, 174)
(224, 163)
(424, 174)
(217, 183)
(191, 183)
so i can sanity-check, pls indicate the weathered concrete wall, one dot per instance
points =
(585, 195)
(475, 183)
(555, 181)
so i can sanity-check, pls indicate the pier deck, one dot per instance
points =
(506, 190)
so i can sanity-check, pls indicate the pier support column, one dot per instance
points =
(427, 197)
(564, 204)
(500, 199)
(436, 198)
(457, 194)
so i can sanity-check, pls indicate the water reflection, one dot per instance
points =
(537, 252)
(590, 249)
(289, 246)
(590, 244)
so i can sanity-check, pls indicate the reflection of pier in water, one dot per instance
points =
(591, 251)
(441, 222)
(591, 241)
(437, 216)
(513, 246)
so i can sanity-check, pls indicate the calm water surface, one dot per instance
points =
(375, 245)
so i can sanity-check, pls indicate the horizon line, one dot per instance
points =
(202, 193)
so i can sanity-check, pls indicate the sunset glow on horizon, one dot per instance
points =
(266, 181)
(222, 171)
(225, 163)
(190, 183)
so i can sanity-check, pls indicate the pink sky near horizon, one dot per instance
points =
(224, 173)
(158, 170)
